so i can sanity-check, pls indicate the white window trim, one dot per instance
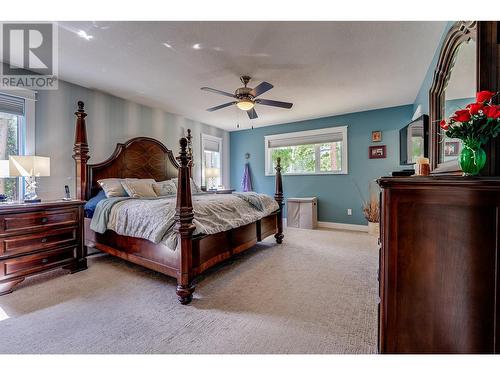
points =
(28, 146)
(336, 129)
(29, 97)
(213, 138)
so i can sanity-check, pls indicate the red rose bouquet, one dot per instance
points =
(474, 125)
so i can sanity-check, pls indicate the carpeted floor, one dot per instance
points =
(316, 293)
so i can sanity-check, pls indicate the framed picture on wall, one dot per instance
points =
(451, 148)
(377, 136)
(377, 152)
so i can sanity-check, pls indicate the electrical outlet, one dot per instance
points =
(349, 211)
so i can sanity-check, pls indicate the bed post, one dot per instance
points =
(184, 226)
(190, 151)
(81, 152)
(278, 197)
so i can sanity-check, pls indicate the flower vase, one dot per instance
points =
(472, 159)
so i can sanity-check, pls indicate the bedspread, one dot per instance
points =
(153, 218)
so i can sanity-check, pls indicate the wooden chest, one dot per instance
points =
(38, 237)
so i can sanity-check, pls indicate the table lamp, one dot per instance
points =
(211, 174)
(29, 167)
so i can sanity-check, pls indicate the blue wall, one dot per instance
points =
(336, 193)
(451, 106)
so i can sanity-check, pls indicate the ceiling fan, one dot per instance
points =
(247, 97)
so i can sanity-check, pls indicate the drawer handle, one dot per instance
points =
(44, 260)
(44, 240)
(44, 220)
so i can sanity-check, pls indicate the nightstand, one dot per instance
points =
(37, 237)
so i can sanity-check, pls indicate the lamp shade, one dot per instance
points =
(211, 172)
(25, 166)
(245, 104)
(4, 168)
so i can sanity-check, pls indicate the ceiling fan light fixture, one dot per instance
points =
(245, 104)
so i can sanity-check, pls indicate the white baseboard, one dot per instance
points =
(341, 226)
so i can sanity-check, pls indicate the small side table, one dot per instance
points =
(37, 237)
(302, 213)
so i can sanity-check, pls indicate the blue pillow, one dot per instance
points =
(91, 204)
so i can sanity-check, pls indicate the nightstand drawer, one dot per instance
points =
(28, 264)
(38, 219)
(38, 241)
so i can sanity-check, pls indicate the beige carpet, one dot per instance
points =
(316, 293)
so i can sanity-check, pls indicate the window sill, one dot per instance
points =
(309, 174)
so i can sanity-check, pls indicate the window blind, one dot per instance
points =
(12, 104)
(211, 145)
(305, 140)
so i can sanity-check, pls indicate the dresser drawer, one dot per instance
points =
(28, 264)
(26, 221)
(26, 243)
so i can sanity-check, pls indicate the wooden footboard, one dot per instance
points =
(148, 158)
(207, 250)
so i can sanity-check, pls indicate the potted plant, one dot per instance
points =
(371, 210)
(474, 126)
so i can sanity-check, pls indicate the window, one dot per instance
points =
(12, 123)
(322, 151)
(211, 172)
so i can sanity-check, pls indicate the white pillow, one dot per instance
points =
(194, 186)
(112, 187)
(166, 187)
(142, 188)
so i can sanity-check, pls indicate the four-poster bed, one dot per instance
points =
(148, 158)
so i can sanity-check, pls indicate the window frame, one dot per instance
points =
(26, 129)
(269, 168)
(213, 138)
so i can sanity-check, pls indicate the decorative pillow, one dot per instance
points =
(142, 188)
(194, 186)
(91, 204)
(166, 187)
(112, 187)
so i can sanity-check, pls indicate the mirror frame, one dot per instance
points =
(460, 32)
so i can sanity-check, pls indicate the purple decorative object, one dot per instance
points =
(246, 183)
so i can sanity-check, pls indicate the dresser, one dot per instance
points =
(38, 237)
(439, 263)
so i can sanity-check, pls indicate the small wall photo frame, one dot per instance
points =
(451, 148)
(377, 136)
(377, 152)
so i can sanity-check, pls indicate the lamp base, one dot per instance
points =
(37, 200)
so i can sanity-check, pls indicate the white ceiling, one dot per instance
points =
(324, 68)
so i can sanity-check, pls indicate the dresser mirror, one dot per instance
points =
(454, 87)
(460, 91)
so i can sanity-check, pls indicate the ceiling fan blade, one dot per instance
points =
(220, 106)
(215, 91)
(261, 89)
(252, 114)
(274, 103)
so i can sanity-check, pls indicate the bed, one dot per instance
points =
(143, 158)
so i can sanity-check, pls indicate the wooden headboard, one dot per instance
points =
(139, 157)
